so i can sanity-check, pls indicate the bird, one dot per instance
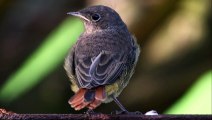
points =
(102, 61)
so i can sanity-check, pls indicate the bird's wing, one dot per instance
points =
(101, 70)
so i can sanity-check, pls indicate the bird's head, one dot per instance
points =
(99, 17)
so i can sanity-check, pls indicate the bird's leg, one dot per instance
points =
(119, 104)
(123, 110)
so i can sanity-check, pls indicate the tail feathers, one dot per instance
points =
(100, 94)
(81, 106)
(94, 104)
(77, 97)
(87, 98)
(77, 100)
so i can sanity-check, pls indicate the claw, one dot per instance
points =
(91, 112)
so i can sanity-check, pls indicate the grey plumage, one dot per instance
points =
(105, 53)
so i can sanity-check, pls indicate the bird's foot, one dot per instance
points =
(91, 112)
(126, 112)
(151, 112)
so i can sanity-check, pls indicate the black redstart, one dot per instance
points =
(102, 61)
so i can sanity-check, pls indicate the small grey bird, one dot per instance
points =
(103, 60)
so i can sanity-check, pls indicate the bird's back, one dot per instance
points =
(101, 57)
(111, 40)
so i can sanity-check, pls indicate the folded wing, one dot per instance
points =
(101, 70)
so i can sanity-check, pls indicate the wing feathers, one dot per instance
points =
(94, 64)
(103, 69)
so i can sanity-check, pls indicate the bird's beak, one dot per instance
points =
(78, 14)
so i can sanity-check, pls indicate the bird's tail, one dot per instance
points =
(90, 98)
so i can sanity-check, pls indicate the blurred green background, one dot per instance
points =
(173, 75)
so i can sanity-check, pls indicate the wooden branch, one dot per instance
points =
(12, 116)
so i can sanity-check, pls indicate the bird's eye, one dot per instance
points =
(95, 17)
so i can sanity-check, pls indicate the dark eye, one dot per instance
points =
(95, 17)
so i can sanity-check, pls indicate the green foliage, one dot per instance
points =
(43, 61)
(197, 100)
